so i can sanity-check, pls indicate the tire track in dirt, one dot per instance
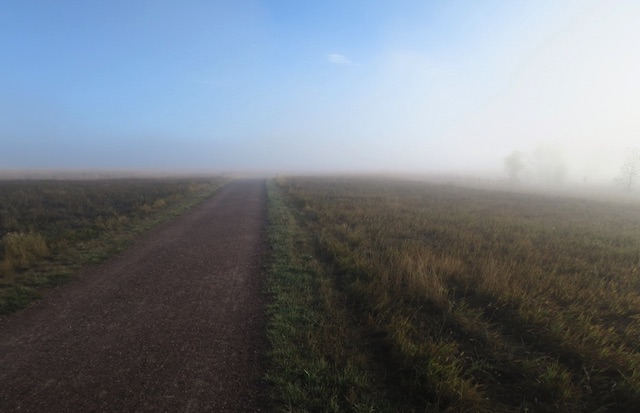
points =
(175, 323)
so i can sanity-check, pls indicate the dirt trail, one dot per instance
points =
(174, 324)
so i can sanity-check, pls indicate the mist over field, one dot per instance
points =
(437, 87)
(445, 215)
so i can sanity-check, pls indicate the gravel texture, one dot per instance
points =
(173, 324)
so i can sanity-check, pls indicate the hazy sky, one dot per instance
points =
(323, 85)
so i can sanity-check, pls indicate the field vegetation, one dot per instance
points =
(51, 228)
(407, 296)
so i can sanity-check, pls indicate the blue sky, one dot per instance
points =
(334, 85)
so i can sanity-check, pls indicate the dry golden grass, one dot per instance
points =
(486, 300)
(22, 250)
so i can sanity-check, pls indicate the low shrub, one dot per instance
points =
(22, 250)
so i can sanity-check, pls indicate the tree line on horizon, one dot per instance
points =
(550, 167)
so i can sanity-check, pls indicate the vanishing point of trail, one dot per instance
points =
(174, 324)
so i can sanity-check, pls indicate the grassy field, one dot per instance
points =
(49, 229)
(406, 296)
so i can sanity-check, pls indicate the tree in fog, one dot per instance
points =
(549, 165)
(630, 169)
(514, 165)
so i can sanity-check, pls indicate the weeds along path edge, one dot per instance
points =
(308, 364)
(319, 357)
(32, 284)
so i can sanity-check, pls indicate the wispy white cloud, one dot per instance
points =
(339, 59)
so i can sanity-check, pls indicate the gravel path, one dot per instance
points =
(174, 324)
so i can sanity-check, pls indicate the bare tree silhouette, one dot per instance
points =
(630, 169)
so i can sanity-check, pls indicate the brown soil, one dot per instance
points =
(174, 324)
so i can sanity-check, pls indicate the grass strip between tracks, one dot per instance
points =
(315, 360)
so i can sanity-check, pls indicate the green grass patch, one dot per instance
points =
(315, 362)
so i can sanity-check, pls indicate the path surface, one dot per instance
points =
(174, 324)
